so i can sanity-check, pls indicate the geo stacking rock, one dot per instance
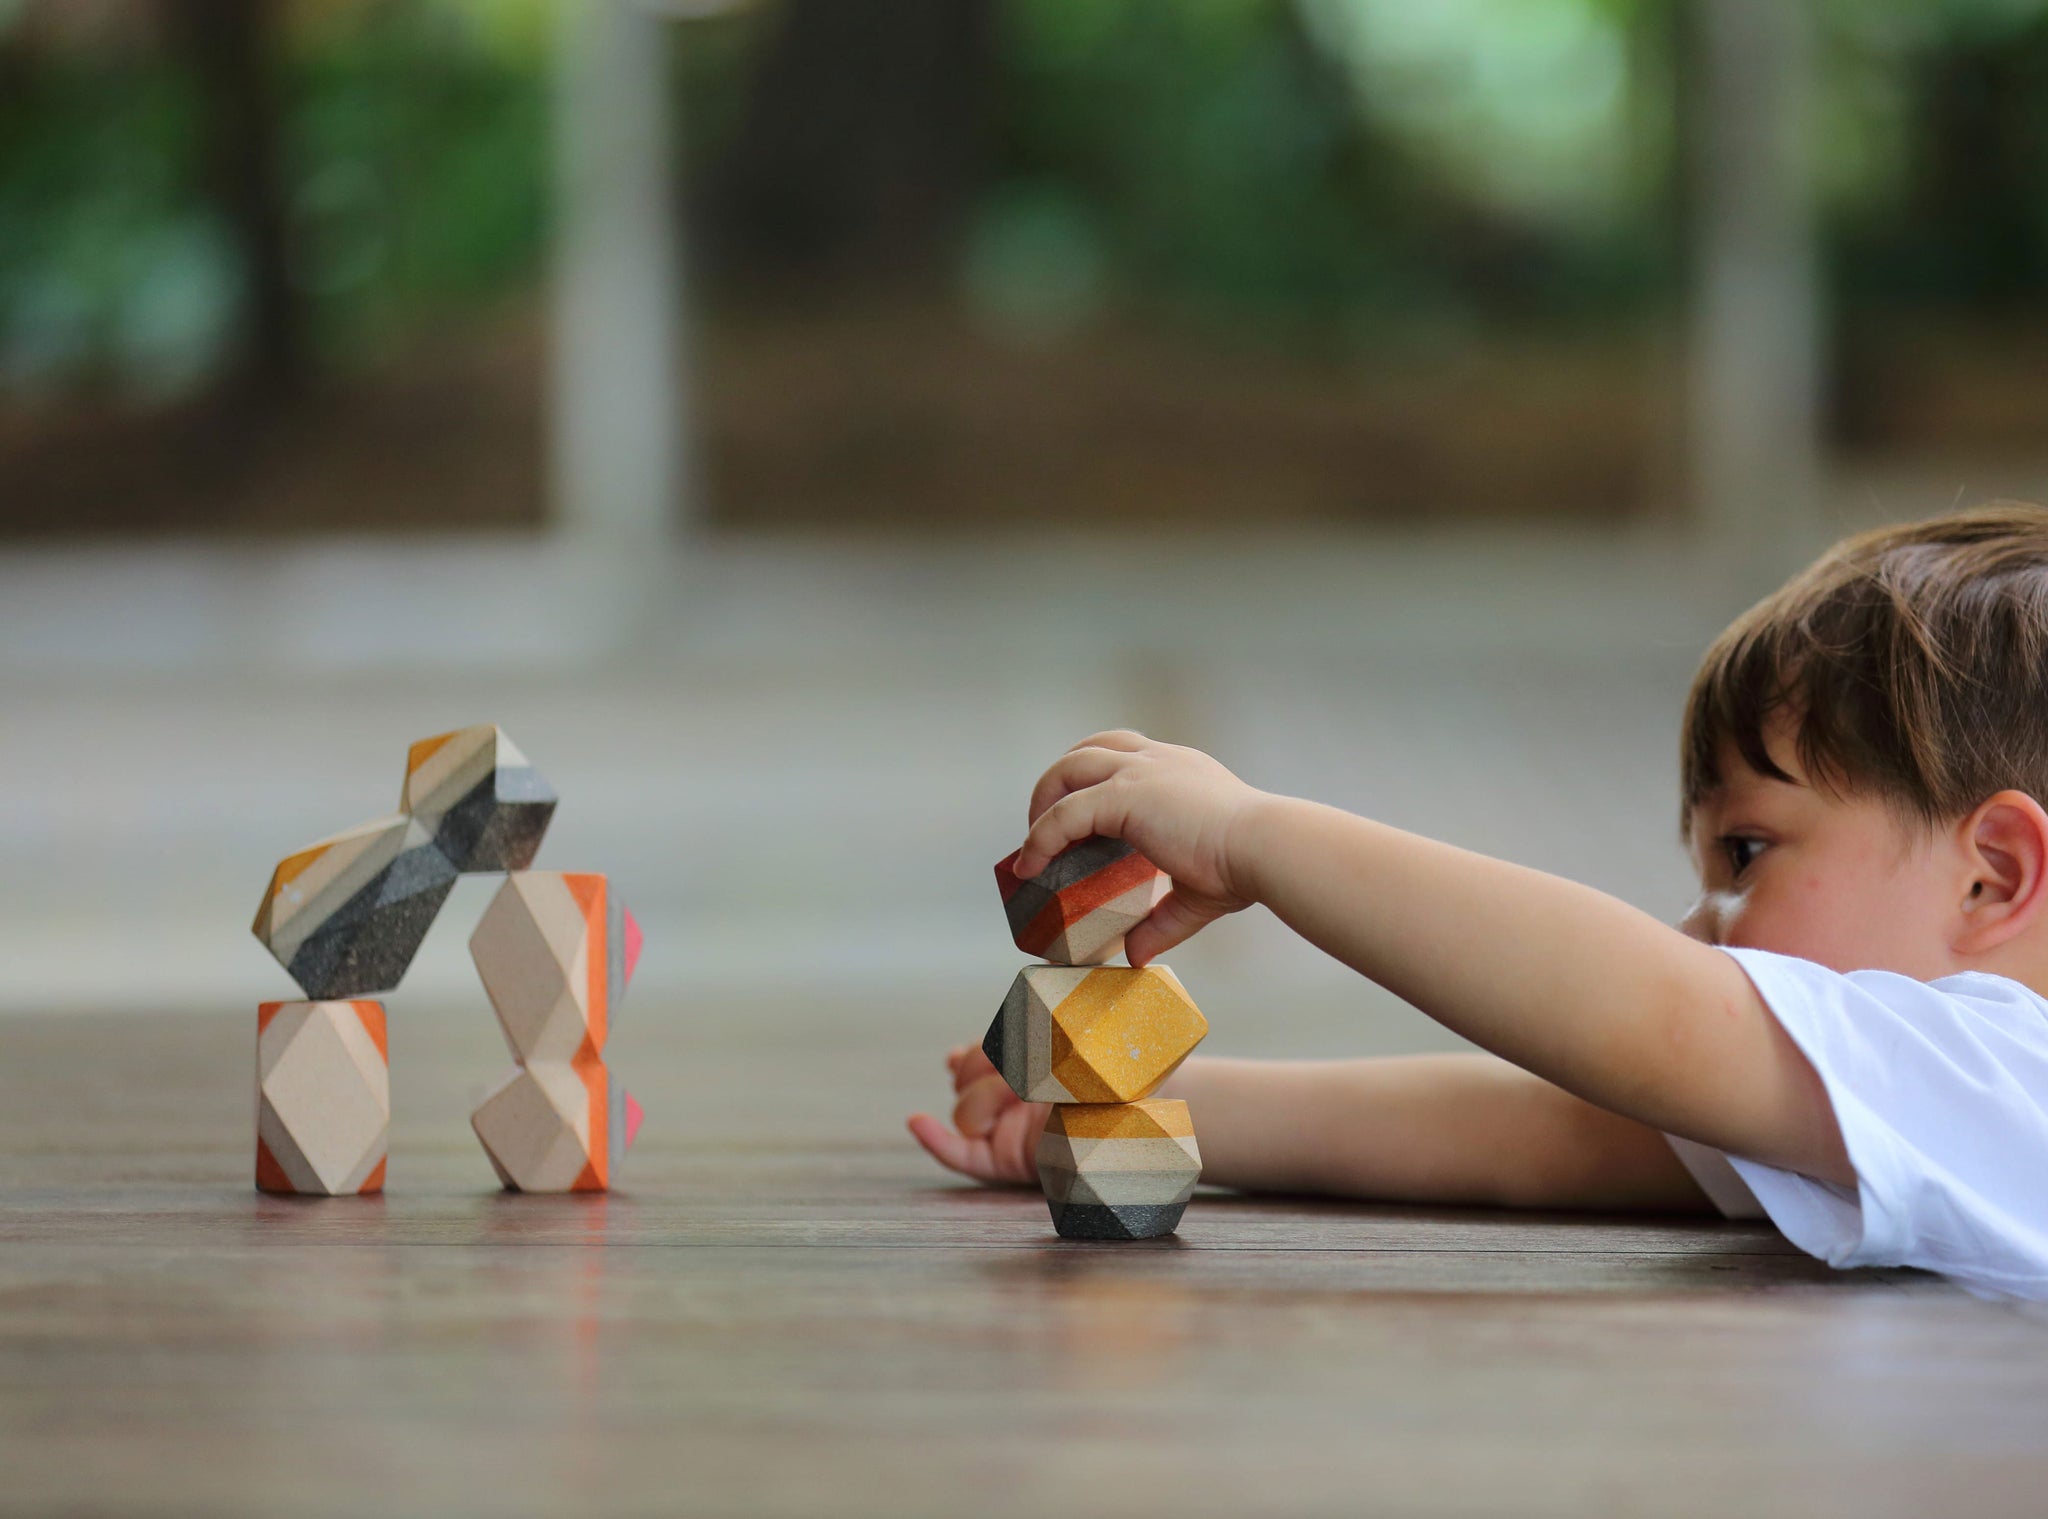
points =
(1094, 1041)
(482, 800)
(323, 1097)
(556, 952)
(1077, 910)
(555, 1126)
(1118, 1170)
(1092, 1034)
(346, 915)
(345, 918)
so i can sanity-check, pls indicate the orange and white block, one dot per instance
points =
(556, 951)
(323, 1097)
(554, 1126)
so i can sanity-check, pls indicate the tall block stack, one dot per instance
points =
(1096, 1041)
(346, 916)
(555, 952)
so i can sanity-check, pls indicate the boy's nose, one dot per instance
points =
(1701, 922)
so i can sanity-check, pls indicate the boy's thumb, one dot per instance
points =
(1175, 920)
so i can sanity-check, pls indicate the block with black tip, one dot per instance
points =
(482, 800)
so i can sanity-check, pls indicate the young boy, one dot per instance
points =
(1848, 1033)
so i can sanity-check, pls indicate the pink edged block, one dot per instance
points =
(632, 951)
(633, 1116)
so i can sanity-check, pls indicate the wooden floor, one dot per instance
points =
(787, 1311)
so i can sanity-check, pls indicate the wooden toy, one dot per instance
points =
(554, 1126)
(323, 1097)
(1118, 1170)
(484, 803)
(1092, 1033)
(555, 952)
(345, 916)
(1077, 910)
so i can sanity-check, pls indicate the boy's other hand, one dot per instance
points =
(1176, 806)
(994, 1137)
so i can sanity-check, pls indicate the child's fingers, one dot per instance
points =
(956, 1152)
(969, 1064)
(1076, 816)
(981, 1103)
(1129, 740)
(1175, 920)
(1015, 1140)
(1074, 771)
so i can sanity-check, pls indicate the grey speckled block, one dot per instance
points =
(485, 804)
(346, 916)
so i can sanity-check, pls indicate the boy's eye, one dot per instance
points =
(1741, 852)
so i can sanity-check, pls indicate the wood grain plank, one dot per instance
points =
(797, 1315)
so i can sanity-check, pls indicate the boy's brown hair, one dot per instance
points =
(1912, 661)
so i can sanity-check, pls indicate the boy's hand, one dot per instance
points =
(1176, 806)
(997, 1138)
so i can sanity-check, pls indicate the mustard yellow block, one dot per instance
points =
(1154, 1118)
(1107, 1034)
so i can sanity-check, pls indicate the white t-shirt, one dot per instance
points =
(1941, 1091)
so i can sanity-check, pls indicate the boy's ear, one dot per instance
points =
(2006, 890)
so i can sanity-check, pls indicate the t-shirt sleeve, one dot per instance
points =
(1941, 1092)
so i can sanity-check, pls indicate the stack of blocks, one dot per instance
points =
(345, 918)
(1095, 1040)
(553, 950)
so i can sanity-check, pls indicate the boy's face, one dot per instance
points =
(1841, 881)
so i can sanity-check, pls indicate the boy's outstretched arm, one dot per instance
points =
(1561, 980)
(1462, 1129)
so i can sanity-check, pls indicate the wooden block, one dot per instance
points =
(1077, 910)
(557, 1126)
(345, 916)
(323, 1097)
(1092, 1033)
(555, 952)
(1118, 1170)
(482, 800)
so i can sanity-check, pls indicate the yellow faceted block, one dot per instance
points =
(1100, 1034)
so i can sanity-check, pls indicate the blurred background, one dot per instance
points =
(797, 422)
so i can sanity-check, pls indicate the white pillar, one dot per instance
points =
(1755, 341)
(619, 402)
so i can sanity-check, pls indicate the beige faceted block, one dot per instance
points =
(323, 1097)
(555, 1126)
(555, 950)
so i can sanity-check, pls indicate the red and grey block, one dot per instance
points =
(1077, 910)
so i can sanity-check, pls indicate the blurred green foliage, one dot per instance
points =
(413, 158)
(1320, 171)
(417, 148)
(96, 198)
(1337, 168)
